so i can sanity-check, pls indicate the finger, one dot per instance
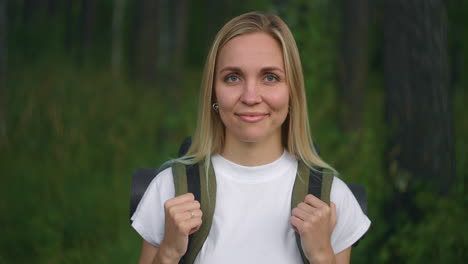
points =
(191, 214)
(301, 214)
(196, 213)
(306, 207)
(191, 224)
(194, 230)
(296, 223)
(187, 206)
(314, 201)
(183, 211)
(333, 214)
(179, 200)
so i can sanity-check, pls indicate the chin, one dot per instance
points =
(252, 138)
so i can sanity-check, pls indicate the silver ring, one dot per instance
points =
(192, 213)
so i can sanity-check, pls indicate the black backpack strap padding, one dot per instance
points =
(359, 192)
(315, 182)
(141, 178)
(185, 146)
(193, 181)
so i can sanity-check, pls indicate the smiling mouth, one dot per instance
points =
(252, 118)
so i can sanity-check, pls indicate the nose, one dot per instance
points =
(251, 93)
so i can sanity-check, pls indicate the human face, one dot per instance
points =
(251, 88)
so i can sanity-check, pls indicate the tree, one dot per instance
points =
(30, 8)
(180, 32)
(53, 7)
(418, 95)
(117, 32)
(146, 44)
(353, 65)
(69, 25)
(178, 36)
(3, 70)
(88, 10)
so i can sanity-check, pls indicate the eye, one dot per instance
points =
(271, 78)
(231, 78)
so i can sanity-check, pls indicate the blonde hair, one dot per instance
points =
(209, 134)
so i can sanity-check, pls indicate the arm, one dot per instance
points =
(343, 257)
(155, 255)
(315, 221)
(182, 218)
(148, 253)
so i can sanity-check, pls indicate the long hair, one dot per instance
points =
(209, 135)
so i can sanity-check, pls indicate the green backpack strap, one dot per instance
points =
(191, 178)
(314, 181)
(187, 179)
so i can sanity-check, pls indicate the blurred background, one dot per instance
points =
(91, 90)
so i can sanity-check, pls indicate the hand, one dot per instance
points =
(315, 221)
(183, 218)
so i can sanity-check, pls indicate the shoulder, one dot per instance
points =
(351, 222)
(160, 189)
(163, 183)
(343, 197)
(148, 219)
(339, 189)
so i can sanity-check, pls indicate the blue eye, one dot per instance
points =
(231, 78)
(271, 78)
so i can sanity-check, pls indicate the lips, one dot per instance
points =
(252, 117)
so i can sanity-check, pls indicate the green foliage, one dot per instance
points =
(74, 139)
(75, 135)
(438, 234)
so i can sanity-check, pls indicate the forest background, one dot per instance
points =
(91, 90)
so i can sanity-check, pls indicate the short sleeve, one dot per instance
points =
(351, 222)
(148, 219)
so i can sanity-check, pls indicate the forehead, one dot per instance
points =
(251, 51)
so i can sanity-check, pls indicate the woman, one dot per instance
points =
(253, 128)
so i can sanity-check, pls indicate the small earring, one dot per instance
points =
(216, 107)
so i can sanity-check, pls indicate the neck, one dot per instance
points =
(252, 153)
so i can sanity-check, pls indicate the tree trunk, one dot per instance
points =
(353, 66)
(418, 95)
(88, 10)
(146, 42)
(215, 17)
(178, 34)
(68, 25)
(30, 9)
(181, 17)
(117, 33)
(53, 7)
(3, 71)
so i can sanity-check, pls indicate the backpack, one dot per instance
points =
(187, 179)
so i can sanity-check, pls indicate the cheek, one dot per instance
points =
(279, 101)
(226, 99)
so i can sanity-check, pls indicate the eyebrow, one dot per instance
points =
(264, 69)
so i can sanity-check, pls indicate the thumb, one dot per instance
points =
(333, 214)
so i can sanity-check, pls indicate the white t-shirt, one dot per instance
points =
(251, 218)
